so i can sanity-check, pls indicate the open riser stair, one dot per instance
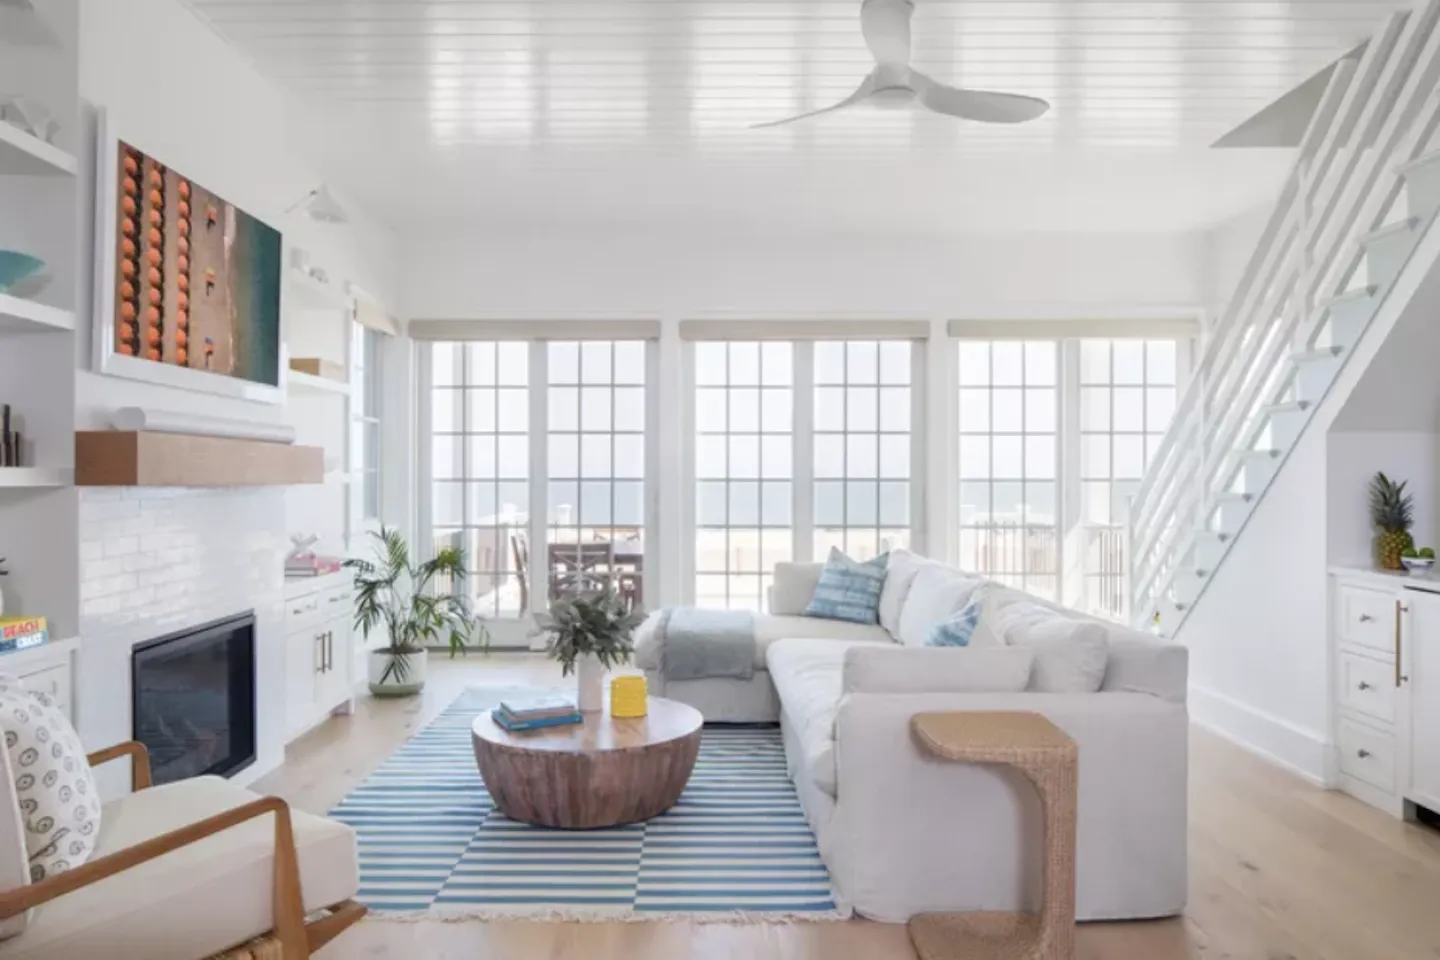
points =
(1363, 195)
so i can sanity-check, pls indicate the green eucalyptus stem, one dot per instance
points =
(597, 624)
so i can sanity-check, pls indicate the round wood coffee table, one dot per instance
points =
(602, 773)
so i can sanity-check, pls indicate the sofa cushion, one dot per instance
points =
(896, 669)
(200, 899)
(793, 587)
(849, 590)
(899, 577)
(809, 675)
(1070, 654)
(937, 592)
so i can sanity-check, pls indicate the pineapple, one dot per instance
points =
(1391, 514)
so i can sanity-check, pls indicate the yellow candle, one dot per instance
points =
(627, 697)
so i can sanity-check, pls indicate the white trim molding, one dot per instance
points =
(1303, 752)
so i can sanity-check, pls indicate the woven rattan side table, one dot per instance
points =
(1049, 759)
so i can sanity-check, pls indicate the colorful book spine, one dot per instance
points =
(514, 726)
(22, 633)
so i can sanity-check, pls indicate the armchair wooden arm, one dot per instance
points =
(290, 931)
(139, 761)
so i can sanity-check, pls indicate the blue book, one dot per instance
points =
(540, 705)
(24, 642)
(520, 726)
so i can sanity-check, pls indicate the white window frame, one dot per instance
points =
(519, 632)
(802, 477)
(366, 383)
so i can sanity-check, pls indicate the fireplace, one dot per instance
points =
(193, 699)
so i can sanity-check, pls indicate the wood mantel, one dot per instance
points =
(131, 458)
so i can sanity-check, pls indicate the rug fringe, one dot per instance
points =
(594, 915)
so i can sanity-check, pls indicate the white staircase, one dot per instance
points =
(1364, 192)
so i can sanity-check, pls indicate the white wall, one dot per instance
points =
(592, 271)
(1353, 459)
(1226, 252)
(1259, 665)
(206, 111)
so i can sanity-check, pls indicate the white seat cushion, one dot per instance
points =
(768, 629)
(198, 900)
(809, 676)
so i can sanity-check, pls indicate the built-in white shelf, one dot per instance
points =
(26, 316)
(310, 293)
(24, 154)
(34, 478)
(299, 382)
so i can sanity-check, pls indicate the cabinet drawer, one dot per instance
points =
(302, 609)
(335, 602)
(1367, 755)
(53, 680)
(1367, 618)
(1367, 686)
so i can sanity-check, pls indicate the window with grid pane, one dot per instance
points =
(861, 491)
(1127, 398)
(596, 467)
(1008, 452)
(744, 475)
(365, 422)
(480, 465)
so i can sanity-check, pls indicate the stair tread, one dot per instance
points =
(1287, 406)
(1406, 225)
(1424, 160)
(1232, 496)
(1320, 353)
(1350, 296)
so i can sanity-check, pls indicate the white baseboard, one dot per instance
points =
(1296, 749)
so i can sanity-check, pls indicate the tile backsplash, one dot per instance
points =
(155, 560)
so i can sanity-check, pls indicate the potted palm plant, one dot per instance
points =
(396, 594)
(590, 634)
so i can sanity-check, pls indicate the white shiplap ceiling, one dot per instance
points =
(643, 107)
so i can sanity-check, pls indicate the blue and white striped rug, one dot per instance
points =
(736, 846)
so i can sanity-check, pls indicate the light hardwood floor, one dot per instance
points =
(1279, 870)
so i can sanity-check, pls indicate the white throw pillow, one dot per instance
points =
(936, 593)
(1070, 655)
(53, 782)
(794, 587)
(899, 578)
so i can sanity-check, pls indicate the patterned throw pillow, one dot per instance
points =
(958, 629)
(58, 799)
(848, 589)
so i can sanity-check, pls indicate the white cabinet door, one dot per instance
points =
(334, 681)
(302, 670)
(1420, 663)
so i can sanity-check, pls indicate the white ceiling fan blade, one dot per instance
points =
(866, 88)
(886, 27)
(986, 106)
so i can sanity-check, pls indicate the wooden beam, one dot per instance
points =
(121, 458)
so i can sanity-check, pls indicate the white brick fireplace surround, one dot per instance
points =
(155, 560)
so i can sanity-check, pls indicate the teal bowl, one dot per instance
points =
(15, 267)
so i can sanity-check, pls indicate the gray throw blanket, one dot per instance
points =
(696, 643)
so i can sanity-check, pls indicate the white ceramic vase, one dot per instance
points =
(392, 686)
(590, 680)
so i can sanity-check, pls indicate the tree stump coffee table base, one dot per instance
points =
(605, 772)
(1048, 758)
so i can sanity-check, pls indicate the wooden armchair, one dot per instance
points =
(165, 884)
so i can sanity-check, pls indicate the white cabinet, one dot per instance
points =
(49, 668)
(319, 659)
(1385, 659)
(1420, 674)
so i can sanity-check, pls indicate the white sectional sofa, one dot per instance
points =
(903, 833)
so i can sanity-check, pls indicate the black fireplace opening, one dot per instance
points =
(193, 699)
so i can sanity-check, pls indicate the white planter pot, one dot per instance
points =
(392, 686)
(590, 680)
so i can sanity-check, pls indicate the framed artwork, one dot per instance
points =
(188, 285)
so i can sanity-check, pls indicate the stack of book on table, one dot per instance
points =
(535, 713)
(22, 633)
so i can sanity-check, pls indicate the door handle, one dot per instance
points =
(320, 643)
(1399, 608)
(329, 651)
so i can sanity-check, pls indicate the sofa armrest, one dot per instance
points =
(1141, 664)
(916, 828)
(937, 669)
(139, 761)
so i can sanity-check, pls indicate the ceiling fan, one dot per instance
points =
(894, 85)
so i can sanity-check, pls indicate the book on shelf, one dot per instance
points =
(520, 726)
(537, 707)
(22, 633)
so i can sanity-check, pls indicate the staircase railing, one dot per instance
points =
(1296, 303)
